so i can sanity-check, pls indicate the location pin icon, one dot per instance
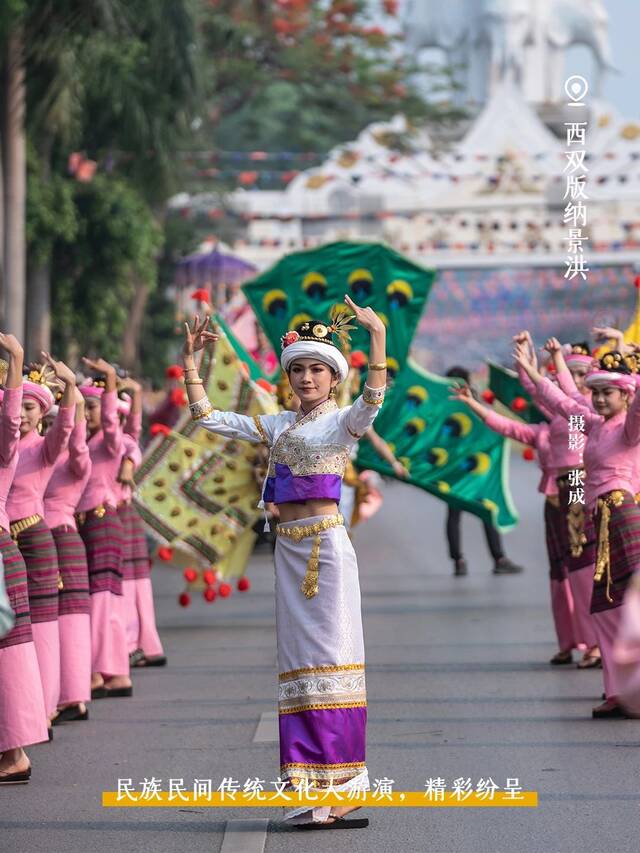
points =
(576, 87)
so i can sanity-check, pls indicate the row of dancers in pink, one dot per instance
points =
(590, 440)
(74, 554)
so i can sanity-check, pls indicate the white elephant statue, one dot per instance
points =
(569, 22)
(506, 26)
(522, 41)
(447, 26)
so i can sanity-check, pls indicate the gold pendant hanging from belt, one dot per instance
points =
(603, 558)
(575, 526)
(309, 586)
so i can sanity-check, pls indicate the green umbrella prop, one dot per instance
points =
(305, 285)
(448, 450)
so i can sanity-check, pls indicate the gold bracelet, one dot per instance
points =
(381, 365)
(197, 381)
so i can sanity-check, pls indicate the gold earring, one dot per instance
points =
(40, 428)
(332, 393)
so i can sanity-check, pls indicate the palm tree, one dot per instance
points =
(29, 33)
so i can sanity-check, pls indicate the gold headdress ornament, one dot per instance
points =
(341, 324)
(320, 332)
(42, 374)
(612, 361)
(579, 349)
(632, 360)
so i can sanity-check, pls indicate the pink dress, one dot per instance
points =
(36, 459)
(575, 600)
(611, 462)
(70, 476)
(140, 616)
(23, 716)
(101, 530)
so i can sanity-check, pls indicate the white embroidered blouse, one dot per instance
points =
(308, 453)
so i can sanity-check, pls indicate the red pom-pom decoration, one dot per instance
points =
(519, 404)
(636, 282)
(165, 554)
(528, 454)
(174, 371)
(190, 575)
(209, 577)
(488, 396)
(178, 397)
(358, 359)
(244, 584)
(159, 429)
(201, 295)
(225, 590)
(184, 599)
(209, 594)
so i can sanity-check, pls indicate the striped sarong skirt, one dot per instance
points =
(135, 553)
(574, 515)
(72, 562)
(103, 538)
(624, 553)
(41, 559)
(554, 519)
(15, 578)
(322, 705)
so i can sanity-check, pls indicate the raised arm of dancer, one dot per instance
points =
(79, 458)
(133, 423)
(632, 423)
(527, 384)
(564, 376)
(608, 333)
(256, 429)
(526, 433)
(111, 429)
(358, 417)
(552, 397)
(10, 408)
(385, 452)
(57, 438)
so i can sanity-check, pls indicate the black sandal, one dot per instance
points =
(144, 662)
(336, 823)
(70, 714)
(20, 777)
(562, 659)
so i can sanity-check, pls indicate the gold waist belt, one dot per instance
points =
(309, 585)
(99, 511)
(603, 559)
(23, 524)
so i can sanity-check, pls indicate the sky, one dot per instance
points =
(621, 89)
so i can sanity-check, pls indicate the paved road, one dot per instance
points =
(458, 685)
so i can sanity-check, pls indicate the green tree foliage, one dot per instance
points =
(304, 75)
(134, 86)
(117, 242)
